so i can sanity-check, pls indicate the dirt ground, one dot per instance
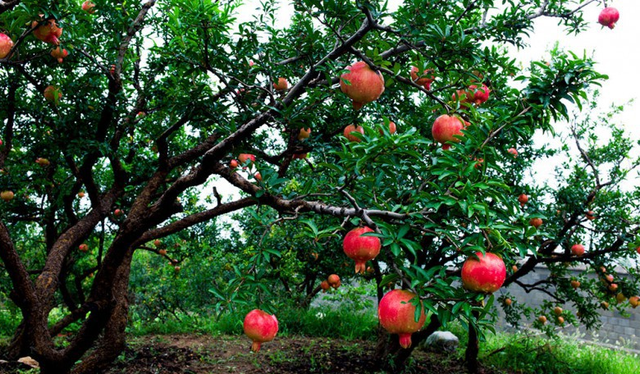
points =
(200, 354)
(193, 354)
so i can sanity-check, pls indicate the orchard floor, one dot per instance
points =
(194, 354)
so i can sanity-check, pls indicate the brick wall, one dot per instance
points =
(616, 329)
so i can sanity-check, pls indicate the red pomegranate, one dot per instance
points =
(361, 248)
(52, 94)
(324, 285)
(608, 17)
(523, 199)
(5, 45)
(260, 327)
(243, 157)
(446, 128)
(486, 273)
(513, 151)
(89, 7)
(281, 84)
(47, 31)
(397, 315)
(59, 54)
(351, 128)
(361, 84)
(425, 79)
(478, 95)
(577, 249)
(334, 280)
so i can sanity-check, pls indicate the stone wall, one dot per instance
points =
(616, 329)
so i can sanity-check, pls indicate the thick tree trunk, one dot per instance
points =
(113, 341)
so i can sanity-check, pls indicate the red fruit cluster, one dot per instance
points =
(47, 31)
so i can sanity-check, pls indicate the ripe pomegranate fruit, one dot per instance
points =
(508, 302)
(83, 247)
(324, 285)
(523, 199)
(304, 133)
(89, 7)
(575, 284)
(47, 31)
(233, 164)
(351, 128)
(634, 301)
(281, 84)
(5, 45)
(608, 17)
(486, 273)
(397, 315)
(59, 54)
(6, 195)
(162, 252)
(260, 327)
(542, 319)
(535, 222)
(513, 151)
(447, 128)
(425, 79)
(361, 248)
(557, 310)
(258, 176)
(361, 84)
(334, 280)
(392, 128)
(577, 249)
(478, 95)
(52, 94)
(42, 161)
(590, 215)
(243, 157)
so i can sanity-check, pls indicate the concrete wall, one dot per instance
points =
(616, 329)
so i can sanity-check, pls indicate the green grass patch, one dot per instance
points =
(530, 354)
(312, 322)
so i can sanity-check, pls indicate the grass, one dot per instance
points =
(312, 322)
(526, 353)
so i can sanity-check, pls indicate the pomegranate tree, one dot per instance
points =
(260, 327)
(361, 248)
(397, 315)
(483, 272)
(362, 84)
(5, 45)
(608, 17)
(447, 128)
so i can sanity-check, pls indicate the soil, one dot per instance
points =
(200, 354)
